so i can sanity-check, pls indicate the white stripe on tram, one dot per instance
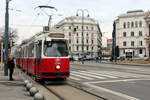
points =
(89, 75)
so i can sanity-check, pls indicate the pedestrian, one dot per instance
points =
(11, 66)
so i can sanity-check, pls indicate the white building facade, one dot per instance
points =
(72, 27)
(133, 34)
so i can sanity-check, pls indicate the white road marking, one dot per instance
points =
(112, 92)
(74, 78)
(89, 75)
(82, 76)
(113, 73)
(100, 74)
(111, 81)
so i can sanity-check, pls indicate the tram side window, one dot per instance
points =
(31, 50)
(38, 49)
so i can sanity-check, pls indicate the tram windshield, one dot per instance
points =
(55, 49)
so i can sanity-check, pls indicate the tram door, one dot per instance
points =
(38, 49)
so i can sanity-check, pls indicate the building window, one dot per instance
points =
(136, 24)
(69, 33)
(92, 41)
(92, 28)
(141, 43)
(69, 27)
(87, 27)
(124, 34)
(77, 48)
(77, 27)
(124, 25)
(87, 41)
(69, 40)
(132, 43)
(87, 48)
(92, 48)
(140, 24)
(140, 51)
(124, 43)
(132, 33)
(132, 24)
(87, 34)
(77, 41)
(70, 48)
(77, 34)
(140, 33)
(128, 24)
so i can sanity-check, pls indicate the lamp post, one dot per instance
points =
(77, 14)
(6, 36)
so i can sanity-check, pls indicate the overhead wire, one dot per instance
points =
(36, 18)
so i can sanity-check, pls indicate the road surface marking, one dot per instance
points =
(112, 92)
(74, 78)
(100, 74)
(82, 76)
(113, 73)
(89, 75)
(111, 81)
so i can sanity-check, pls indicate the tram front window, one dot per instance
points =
(55, 49)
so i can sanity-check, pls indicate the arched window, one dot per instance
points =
(128, 24)
(124, 25)
(140, 24)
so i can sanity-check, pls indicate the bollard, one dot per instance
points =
(39, 96)
(28, 86)
(26, 82)
(33, 91)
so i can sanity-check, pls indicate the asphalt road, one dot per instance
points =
(112, 81)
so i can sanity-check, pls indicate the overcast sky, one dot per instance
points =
(104, 11)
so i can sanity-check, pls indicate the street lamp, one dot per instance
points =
(77, 14)
(6, 37)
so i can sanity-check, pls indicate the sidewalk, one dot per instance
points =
(12, 90)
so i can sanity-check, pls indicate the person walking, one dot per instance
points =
(11, 66)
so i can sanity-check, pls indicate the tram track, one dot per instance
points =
(65, 91)
(70, 92)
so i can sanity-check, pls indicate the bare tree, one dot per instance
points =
(13, 34)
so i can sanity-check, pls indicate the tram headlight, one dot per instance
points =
(58, 67)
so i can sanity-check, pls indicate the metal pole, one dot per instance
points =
(49, 22)
(82, 35)
(6, 38)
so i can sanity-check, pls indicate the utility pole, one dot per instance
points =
(6, 38)
(114, 41)
(82, 11)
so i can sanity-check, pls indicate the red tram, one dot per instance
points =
(45, 56)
